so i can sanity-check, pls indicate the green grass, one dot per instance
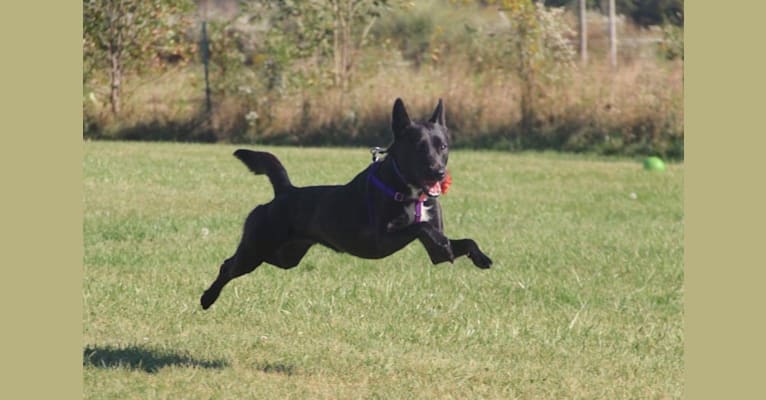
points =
(584, 299)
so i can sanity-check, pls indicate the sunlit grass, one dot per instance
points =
(584, 299)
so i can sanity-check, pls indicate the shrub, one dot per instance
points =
(507, 84)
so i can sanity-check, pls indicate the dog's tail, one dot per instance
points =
(266, 163)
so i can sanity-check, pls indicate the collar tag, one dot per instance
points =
(376, 152)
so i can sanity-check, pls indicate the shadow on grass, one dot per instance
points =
(142, 359)
(270, 368)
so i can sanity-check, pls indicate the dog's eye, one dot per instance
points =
(443, 147)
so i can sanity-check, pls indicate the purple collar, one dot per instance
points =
(397, 196)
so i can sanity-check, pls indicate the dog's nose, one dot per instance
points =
(440, 173)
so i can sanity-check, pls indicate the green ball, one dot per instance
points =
(654, 164)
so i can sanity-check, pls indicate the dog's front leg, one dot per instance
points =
(470, 249)
(437, 245)
(440, 248)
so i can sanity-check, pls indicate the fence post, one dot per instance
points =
(205, 61)
(612, 34)
(583, 32)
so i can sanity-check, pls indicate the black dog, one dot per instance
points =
(385, 207)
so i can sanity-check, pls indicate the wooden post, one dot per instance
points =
(612, 34)
(583, 32)
(205, 62)
(337, 61)
(116, 14)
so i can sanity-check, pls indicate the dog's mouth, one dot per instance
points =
(433, 188)
(436, 188)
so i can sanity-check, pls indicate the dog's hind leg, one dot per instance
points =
(242, 262)
(245, 260)
(253, 247)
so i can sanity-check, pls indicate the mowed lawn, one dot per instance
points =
(585, 299)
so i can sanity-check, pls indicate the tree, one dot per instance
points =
(119, 34)
(337, 28)
(346, 14)
(538, 48)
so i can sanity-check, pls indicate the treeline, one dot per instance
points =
(327, 72)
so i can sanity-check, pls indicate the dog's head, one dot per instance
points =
(420, 149)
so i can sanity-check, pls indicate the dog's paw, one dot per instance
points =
(480, 259)
(208, 298)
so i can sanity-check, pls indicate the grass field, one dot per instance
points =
(585, 299)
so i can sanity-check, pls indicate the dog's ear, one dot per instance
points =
(438, 116)
(399, 120)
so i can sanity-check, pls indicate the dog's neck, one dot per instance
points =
(391, 175)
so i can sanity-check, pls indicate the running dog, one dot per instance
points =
(386, 206)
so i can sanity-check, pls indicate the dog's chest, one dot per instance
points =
(424, 214)
(413, 213)
(421, 211)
